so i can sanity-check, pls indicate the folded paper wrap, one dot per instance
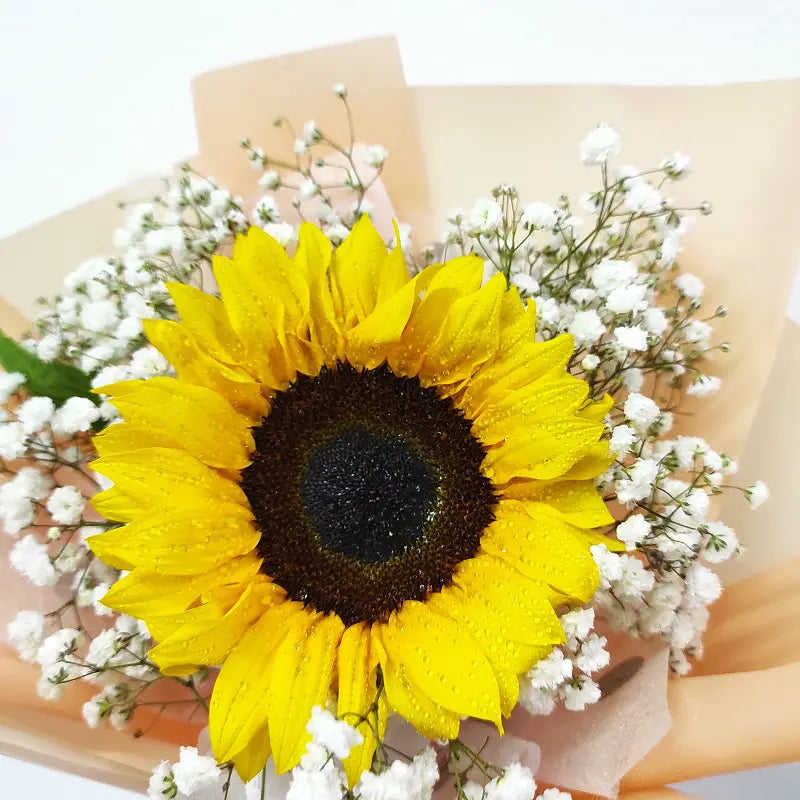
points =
(447, 146)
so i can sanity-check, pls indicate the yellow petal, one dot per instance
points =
(123, 439)
(301, 679)
(517, 331)
(520, 609)
(270, 323)
(191, 417)
(369, 343)
(113, 503)
(545, 451)
(181, 541)
(357, 695)
(542, 547)
(394, 274)
(528, 407)
(214, 603)
(509, 616)
(193, 365)
(433, 291)
(227, 595)
(516, 368)
(143, 592)
(280, 293)
(238, 709)
(203, 643)
(517, 322)
(422, 329)
(599, 410)
(409, 701)
(468, 337)
(165, 625)
(596, 461)
(264, 265)
(312, 258)
(455, 604)
(464, 274)
(356, 272)
(204, 316)
(157, 477)
(592, 537)
(252, 760)
(313, 254)
(576, 502)
(443, 660)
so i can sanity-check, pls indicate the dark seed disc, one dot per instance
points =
(367, 491)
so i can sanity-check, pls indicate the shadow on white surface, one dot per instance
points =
(771, 783)
(113, 80)
(20, 780)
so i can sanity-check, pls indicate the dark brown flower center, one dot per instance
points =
(367, 490)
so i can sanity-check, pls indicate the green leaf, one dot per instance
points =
(44, 379)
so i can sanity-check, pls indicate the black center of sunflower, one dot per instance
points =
(367, 490)
(369, 496)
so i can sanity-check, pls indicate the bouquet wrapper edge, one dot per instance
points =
(528, 174)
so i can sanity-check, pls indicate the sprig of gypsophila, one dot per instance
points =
(325, 182)
(96, 325)
(641, 336)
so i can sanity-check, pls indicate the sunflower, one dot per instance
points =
(360, 483)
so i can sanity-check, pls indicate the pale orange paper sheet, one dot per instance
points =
(245, 100)
(448, 146)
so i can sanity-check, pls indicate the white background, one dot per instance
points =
(94, 93)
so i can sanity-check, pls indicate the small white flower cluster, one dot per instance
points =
(51, 520)
(414, 780)
(604, 281)
(566, 673)
(120, 651)
(670, 604)
(114, 703)
(319, 774)
(57, 657)
(612, 283)
(640, 335)
(96, 324)
(666, 485)
(327, 183)
(193, 777)
(115, 658)
(514, 783)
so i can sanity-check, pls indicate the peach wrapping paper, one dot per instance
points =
(447, 146)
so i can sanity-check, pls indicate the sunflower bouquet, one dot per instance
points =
(358, 504)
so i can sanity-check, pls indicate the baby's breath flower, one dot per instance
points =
(642, 198)
(633, 531)
(66, 505)
(690, 285)
(376, 155)
(677, 166)
(331, 733)
(599, 145)
(704, 385)
(757, 494)
(539, 215)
